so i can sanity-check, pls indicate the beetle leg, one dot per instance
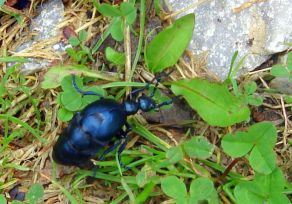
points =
(83, 93)
(120, 150)
(164, 103)
(110, 149)
(136, 91)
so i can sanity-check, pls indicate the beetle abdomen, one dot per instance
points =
(103, 119)
(88, 132)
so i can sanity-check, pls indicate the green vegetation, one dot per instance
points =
(197, 168)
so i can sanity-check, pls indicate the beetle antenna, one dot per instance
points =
(83, 93)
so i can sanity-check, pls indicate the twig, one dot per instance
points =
(127, 47)
(246, 5)
(277, 107)
(192, 6)
(286, 122)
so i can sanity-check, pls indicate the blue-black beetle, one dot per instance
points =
(17, 4)
(98, 124)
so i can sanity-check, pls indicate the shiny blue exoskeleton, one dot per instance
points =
(101, 122)
(20, 4)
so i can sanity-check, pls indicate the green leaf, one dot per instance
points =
(167, 47)
(3, 199)
(259, 140)
(74, 41)
(198, 147)
(289, 61)
(250, 87)
(64, 115)
(83, 35)
(108, 10)
(67, 84)
(143, 177)
(202, 189)
(263, 189)
(174, 154)
(13, 59)
(230, 72)
(129, 11)
(254, 100)
(72, 101)
(114, 56)
(117, 30)
(157, 7)
(72, 53)
(242, 195)
(262, 159)
(213, 101)
(288, 99)
(237, 145)
(35, 193)
(173, 187)
(55, 74)
(279, 71)
(87, 99)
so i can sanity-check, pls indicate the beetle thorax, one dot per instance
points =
(144, 103)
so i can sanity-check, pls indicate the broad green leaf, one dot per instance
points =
(72, 101)
(263, 189)
(129, 11)
(64, 115)
(167, 47)
(173, 187)
(198, 147)
(262, 160)
(108, 10)
(264, 134)
(213, 101)
(202, 189)
(243, 196)
(35, 193)
(174, 154)
(117, 30)
(279, 71)
(114, 56)
(237, 145)
(55, 75)
(259, 140)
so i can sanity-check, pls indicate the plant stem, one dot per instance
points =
(227, 170)
(141, 37)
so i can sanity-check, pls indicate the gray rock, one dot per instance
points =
(256, 30)
(45, 24)
(282, 85)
